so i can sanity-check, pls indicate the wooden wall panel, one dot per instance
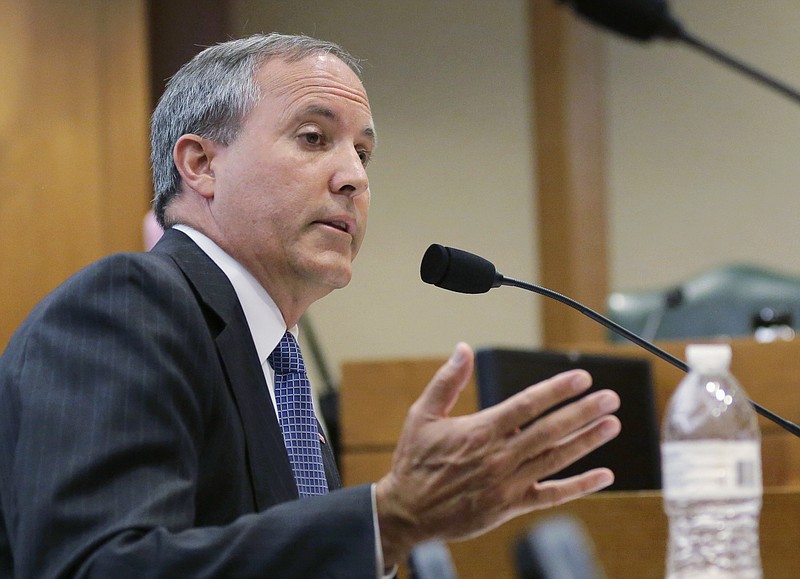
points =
(569, 135)
(178, 30)
(375, 386)
(74, 177)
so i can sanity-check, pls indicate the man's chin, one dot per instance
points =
(342, 280)
(335, 273)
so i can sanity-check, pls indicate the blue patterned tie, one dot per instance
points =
(296, 417)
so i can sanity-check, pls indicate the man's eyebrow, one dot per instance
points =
(369, 132)
(320, 111)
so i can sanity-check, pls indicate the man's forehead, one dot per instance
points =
(279, 75)
(311, 83)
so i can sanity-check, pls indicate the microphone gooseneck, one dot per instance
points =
(645, 20)
(452, 269)
(611, 325)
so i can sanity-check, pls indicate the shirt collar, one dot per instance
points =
(264, 319)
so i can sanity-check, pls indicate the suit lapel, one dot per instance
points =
(270, 469)
(329, 462)
(268, 462)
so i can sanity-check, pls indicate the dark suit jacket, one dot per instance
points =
(138, 439)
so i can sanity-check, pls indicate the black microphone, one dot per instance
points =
(638, 19)
(648, 19)
(460, 271)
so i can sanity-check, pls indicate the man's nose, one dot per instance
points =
(350, 176)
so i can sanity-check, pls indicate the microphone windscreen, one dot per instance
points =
(457, 270)
(639, 19)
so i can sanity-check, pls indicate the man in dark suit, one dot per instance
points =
(139, 434)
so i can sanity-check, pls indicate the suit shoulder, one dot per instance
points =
(145, 272)
(120, 284)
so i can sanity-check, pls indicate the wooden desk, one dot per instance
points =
(629, 529)
(629, 532)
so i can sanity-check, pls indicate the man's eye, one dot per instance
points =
(364, 156)
(312, 138)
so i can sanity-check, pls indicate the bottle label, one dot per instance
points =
(711, 469)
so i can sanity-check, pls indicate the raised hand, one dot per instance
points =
(453, 478)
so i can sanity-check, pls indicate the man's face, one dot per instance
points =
(291, 191)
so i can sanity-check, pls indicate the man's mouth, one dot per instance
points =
(343, 225)
(340, 225)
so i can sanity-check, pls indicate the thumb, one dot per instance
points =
(443, 390)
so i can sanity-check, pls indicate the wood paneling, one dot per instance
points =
(73, 125)
(178, 30)
(376, 395)
(569, 137)
(629, 529)
(373, 387)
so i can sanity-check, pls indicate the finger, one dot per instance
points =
(441, 393)
(561, 423)
(520, 409)
(557, 492)
(567, 451)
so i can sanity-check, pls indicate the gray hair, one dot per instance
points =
(211, 95)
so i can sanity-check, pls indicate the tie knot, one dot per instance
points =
(286, 357)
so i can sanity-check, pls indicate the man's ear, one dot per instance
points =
(193, 156)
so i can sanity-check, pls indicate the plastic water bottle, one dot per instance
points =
(711, 471)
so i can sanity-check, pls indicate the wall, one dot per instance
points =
(701, 161)
(448, 83)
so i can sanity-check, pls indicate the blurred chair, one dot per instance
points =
(431, 560)
(558, 548)
(732, 300)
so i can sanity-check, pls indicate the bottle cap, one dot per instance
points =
(708, 358)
